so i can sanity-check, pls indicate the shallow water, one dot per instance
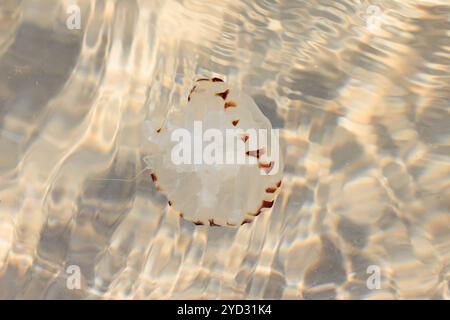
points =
(360, 89)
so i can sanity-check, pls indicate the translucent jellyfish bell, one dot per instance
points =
(217, 159)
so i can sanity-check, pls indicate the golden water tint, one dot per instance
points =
(364, 114)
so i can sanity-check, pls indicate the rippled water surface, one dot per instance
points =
(359, 89)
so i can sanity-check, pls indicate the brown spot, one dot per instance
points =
(212, 223)
(267, 204)
(181, 215)
(245, 137)
(223, 95)
(159, 130)
(271, 190)
(202, 79)
(246, 221)
(169, 202)
(266, 166)
(255, 153)
(198, 223)
(154, 177)
(257, 213)
(230, 104)
(235, 122)
(216, 79)
(230, 224)
(279, 184)
(190, 93)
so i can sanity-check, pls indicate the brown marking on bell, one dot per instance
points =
(230, 104)
(169, 202)
(257, 213)
(267, 204)
(245, 137)
(267, 167)
(271, 190)
(255, 153)
(215, 79)
(159, 130)
(223, 95)
(279, 184)
(198, 223)
(202, 79)
(154, 177)
(212, 223)
(190, 93)
(235, 122)
(246, 221)
(181, 215)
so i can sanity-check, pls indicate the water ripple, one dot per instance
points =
(360, 89)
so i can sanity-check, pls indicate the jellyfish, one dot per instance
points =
(216, 159)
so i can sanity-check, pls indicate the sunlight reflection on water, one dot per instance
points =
(360, 89)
